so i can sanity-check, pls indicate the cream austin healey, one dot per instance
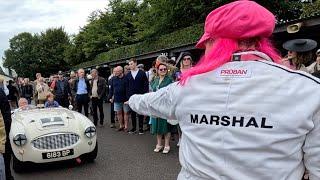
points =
(42, 135)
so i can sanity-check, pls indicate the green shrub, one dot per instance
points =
(310, 9)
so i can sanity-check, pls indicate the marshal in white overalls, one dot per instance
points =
(247, 120)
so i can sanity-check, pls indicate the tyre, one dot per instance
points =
(17, 166)
(91, 156)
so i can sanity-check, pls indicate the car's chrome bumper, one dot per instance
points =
(28, 153)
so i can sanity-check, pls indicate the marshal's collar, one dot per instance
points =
(250, 56)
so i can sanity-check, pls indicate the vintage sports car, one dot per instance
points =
(42, 135)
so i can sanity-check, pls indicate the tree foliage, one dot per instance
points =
(22, 54)
(123, 23)
(311, 9)
(175, 39)
(53, 44)
(31, 53)
(106, 30)
(126, 22)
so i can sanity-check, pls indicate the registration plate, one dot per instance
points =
(57, 154)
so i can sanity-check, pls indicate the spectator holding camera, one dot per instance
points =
(164, 59)
(42, 90)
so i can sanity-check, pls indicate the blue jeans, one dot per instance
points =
(2, 168)
(119, 106)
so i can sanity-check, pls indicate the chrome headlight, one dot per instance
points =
(20, 139)
(90, 132)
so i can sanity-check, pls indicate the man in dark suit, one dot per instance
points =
(98, 92)
(62, 91)
(82, 88)
(27, 90)
(112, 112)
(137, 83)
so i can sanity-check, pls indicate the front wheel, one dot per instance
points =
(91, 156)
(17, 166)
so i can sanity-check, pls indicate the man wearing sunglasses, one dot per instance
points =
(184, 63)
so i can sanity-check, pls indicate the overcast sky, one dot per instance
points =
(34, 16)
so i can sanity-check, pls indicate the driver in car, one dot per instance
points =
(23, 105)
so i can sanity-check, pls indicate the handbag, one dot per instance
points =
(173, 121)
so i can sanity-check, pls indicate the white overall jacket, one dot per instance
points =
(247, 120)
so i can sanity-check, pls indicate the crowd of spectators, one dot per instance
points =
(81, 90)
(60, 91)
(124, 83)
(88, 92)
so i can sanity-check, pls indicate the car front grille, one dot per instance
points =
(55, 141)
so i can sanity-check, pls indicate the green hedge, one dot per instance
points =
(174, 39)
(309, 10)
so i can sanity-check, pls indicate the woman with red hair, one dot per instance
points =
(240, 112)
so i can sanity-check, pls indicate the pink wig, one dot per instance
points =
(221, 53)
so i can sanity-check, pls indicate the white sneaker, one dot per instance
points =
(178, 145)
(166, 150)
(158, 148)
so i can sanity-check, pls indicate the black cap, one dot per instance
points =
(300, 45)
(182, 55)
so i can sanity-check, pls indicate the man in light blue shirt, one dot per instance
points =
(82, 88)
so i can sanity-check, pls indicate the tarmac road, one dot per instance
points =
(120, 156)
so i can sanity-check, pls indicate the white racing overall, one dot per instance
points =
(247, 120)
